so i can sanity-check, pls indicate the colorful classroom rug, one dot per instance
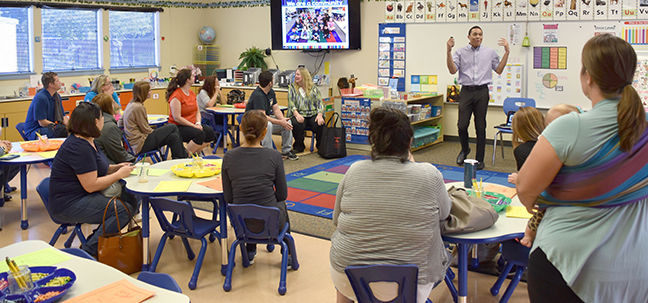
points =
(312, 190)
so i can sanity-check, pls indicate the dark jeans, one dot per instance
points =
(298, 132)
(7, 173)
(190, 133)
(545, 283)
(90, 209)
(166, 135)
(473, 102)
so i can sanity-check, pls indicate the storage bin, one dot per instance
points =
(84, 89)
(424, 135)
(435, 111)
(128, 85)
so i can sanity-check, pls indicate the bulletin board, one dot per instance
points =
(427, 47)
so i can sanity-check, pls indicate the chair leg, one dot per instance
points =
(312, 141)
(196, 272)
(448, 280)
(218, 141)
(158, 252)
(227, 285)
(494, 147)
(70, 239)
(57, 234)
(80, 234)
(502, 144)
(498, 284)
(514, 282)
(293, 251)
(284, 269)
(190, 253)
(244, 257)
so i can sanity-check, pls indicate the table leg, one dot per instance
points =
(223, 231)
(23, 197)
(145, 233)
(224, 133)
(463, 272)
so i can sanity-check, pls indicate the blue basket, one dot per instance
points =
(84, 89)
(128, 85)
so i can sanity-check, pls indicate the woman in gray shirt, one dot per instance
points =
(388, 210)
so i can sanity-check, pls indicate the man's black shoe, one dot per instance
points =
(462, 156)
(7, 197)
(480, 166)
(9, 189)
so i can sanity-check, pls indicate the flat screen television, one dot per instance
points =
(315, 24)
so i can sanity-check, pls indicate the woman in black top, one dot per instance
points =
(80, 172)
(261, 183)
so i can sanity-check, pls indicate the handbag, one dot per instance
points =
(235, 96)
(468, 214)
(113, 190)
(333, 144)
(122, 251)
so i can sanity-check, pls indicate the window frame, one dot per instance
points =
(30, 47)
(145, 68)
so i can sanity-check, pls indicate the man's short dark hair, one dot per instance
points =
(82, 121)
(474, 27)
(48, 78)
(265, 78)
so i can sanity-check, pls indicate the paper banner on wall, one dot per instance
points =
(515, 34)
(507, 84)
(389, 11)
(550, 33)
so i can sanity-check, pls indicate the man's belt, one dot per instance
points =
(474, 87)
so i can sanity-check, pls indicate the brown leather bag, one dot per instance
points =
(122, 251)
(468, 213)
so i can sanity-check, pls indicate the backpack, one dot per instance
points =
(235, 96)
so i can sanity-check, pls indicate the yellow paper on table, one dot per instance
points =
(155, 172)
(48, 154)
(172, 186)
(518, 212)
(124, 290)
(43, 257)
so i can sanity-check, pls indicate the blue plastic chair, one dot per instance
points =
(188, 225)
(270, 235)
(20, 127)
(78, 252)
(513, 253)
(43, 192)
(405, 276)
(153, 154)
(160, 280)
(510, 104)
(210, 119)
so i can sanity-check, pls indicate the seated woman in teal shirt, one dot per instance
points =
(102, 84)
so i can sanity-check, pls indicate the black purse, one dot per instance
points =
(333, 144)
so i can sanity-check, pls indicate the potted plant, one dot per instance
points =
(253, 57)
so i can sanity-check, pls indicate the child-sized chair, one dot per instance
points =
(43, 192)
(515, 254)
(242, 214)
(405, 276)
(188, 225)
(160, 280)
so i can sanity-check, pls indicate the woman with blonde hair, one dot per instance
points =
(185, 113)
(589, 172)
(110, 141)
(103, 85)
(263, 183)
(140, 135)
(305, 108)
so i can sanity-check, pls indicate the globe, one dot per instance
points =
(207, 35)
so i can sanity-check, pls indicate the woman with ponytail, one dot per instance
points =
(589, 172)
(264, 182)
(185, 114)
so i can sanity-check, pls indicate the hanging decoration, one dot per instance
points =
(170, 4)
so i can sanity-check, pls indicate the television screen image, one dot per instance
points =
(315, 25)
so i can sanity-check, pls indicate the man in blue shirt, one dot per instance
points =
(474, 63)
(263, 99)
(45, 114)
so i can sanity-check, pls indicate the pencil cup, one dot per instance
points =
(197, 162)
(22, 282)
(476, 193)
(469, 172)
(143, 171)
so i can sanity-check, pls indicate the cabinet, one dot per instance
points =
(157, 104)
(12, 113)
(438, 120)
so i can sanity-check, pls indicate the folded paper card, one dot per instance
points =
(121, 291)
(518, 212)
(48, 154)
(504, 190)
(172, 186)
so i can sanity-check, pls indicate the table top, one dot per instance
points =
(31, 158)
(91, 274)
(148, 188)
(157, 119)
(505, 228)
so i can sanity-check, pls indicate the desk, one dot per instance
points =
(91, 274)
(504, 229)
(158, 120)
(146, 190)
(23, 161)
(227, 112)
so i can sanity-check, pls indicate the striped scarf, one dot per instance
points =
(611, 178)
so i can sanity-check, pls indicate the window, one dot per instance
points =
(15, 32)
(70, 39)
(133, 39)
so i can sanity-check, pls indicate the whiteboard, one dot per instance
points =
(426, 54)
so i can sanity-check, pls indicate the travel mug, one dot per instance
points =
(469, 172)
